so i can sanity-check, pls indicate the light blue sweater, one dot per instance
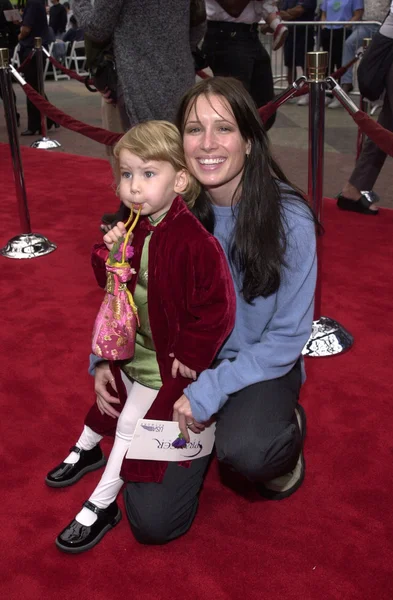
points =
(270, 333)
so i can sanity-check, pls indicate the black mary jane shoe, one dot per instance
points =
(67, 474)
(77, 538)
(361, 206)
(27, 132)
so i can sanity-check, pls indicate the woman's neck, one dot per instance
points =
(222, 197)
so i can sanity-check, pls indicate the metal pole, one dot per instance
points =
(328, 337)
(45, 143)
(12, 129)
(27, 244)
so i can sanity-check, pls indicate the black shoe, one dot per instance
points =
(77, 538)
(361, 206)
(67, 474)
(285, 486)
(31, 132)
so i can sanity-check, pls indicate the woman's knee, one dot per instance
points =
(155, 523)
(263, 457)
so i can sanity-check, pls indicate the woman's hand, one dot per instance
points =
(114, 234)
(182, 413)
(102, 377)
(107, 95)
(184, 371)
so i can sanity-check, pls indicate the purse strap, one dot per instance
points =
(132, 222)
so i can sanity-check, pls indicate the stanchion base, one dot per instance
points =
(328, 338)
(28, 245)
(45, 143)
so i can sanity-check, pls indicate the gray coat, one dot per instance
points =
(152, 50)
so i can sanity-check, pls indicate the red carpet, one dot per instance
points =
(332, 540)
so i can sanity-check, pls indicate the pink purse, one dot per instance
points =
(115, 326)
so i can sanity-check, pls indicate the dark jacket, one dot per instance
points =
(58, 18)
(192, 305)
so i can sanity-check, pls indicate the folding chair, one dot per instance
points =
(15, 60)
(78, 57)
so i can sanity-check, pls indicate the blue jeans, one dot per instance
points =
(351, 45)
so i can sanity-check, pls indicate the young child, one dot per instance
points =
(186, 304)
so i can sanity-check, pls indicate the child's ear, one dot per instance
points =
(181, 181)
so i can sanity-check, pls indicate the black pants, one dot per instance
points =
(332, 41)
(372, 158)
(31, 76)
(257, 435)
(234, 50)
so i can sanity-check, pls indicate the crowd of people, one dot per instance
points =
(224, 251)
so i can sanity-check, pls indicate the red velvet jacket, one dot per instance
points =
(191, 302)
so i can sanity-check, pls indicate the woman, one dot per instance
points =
(34, 24)
(268, 233)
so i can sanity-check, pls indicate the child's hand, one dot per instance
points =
(184, 371)
(114, 234)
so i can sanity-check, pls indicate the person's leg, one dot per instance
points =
(261, 84)
(161, 512)
(370, 162)
(100, 512)
(353, 42)
(258, 433)
(337, 48)
(30, 74)
(139, 400)
(229, 55)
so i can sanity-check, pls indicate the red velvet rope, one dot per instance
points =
(202, 74)
(378, 134)
(108, 138)
(68, 72)
(25, 62)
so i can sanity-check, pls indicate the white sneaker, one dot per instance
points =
(304, 100)
(335, 103)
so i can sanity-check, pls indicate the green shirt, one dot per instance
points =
(143, 367)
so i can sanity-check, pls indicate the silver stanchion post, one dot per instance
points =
(328, 337)
(27, 244)
(45, 143)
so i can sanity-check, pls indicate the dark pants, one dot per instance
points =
(257, 435)
(234, 50)
(332, 41)
(300, 40)
(31, 76)
(372, 159)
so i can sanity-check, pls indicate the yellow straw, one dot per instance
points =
(127, 237)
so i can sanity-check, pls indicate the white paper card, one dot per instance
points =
(153, 441)
(12, 15)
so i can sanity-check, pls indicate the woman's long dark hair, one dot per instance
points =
(259, 242)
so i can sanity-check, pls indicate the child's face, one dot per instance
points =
(151, 185)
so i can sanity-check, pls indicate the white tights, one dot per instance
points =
(139, 400)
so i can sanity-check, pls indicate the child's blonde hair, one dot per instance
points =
(158, 140)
